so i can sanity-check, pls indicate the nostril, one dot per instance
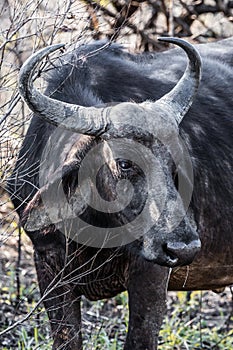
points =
(171, 253)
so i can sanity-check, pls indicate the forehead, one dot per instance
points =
(141, 132)
(144, 121)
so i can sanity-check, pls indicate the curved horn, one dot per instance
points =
(180, 98)
(86, 120)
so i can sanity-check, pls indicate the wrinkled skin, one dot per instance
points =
(72, 269)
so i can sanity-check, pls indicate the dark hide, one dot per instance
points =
(114, 75)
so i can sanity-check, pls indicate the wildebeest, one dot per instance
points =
(128, 117)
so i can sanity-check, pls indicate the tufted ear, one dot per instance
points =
(54, 203)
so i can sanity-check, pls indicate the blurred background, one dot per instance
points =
(197, 320)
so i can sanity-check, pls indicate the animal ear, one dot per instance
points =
(35, 216)
(50, 206)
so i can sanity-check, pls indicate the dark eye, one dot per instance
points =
(124, 164)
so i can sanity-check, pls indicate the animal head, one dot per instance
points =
(127, 178)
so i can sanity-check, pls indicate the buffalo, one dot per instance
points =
(124, 179)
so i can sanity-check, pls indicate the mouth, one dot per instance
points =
(171, 261)
(166, 261)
